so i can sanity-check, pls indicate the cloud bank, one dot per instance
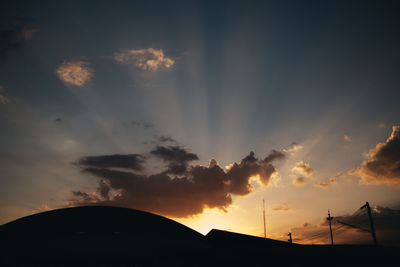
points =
(382, 165)
(146, 59)
(181, 190)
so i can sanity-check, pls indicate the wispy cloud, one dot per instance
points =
(3, 99)
(299, 181)
(382, 165)
(346, 138)
(14, 38)
(282, 208)
(295, 147)
(323, 185)
(146, 59)
(75, 72)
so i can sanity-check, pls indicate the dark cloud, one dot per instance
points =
(196, 188)
(383, 162)
(274, 155)
(130, 161)
(239, 174)
(176, 157)
(173, 154)
(14, 37)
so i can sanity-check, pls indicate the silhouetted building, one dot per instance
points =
(123, 237)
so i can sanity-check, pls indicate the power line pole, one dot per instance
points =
(265, 232)
(371, 222)
(329, 218)
(290, 238)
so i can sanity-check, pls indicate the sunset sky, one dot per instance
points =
(199, 110)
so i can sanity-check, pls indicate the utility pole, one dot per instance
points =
(370, 221)
(290, 238)
(265, 232)
(329, 218)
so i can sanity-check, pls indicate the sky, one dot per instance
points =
(200, 110)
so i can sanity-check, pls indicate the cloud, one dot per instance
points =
(75, 72)
(146, 59)
(323, 185)
(196, 188)
(15, 36)
(333, 178)
(130, 161)
(165, 139)
(43, 208)
(303, 168)
(142, 124)
(346, 138)
(283, 207)
(295, 147)
(3, 99)
(274, 155)
(382, 165)
(176, 157)
(299, 181)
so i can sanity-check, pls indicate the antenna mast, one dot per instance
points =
(265, 233)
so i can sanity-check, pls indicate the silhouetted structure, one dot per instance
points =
(371, 222)
(124, 237)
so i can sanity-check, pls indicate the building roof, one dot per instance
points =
(99, 220)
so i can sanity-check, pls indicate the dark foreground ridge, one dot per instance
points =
(109, 236)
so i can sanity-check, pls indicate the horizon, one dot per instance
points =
(198, 111)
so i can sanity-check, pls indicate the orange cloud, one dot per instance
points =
(303, 168)
(299, 181)
(75, 72)
(382, 165)
(283, 207)
(146, 59)
(322, 185)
